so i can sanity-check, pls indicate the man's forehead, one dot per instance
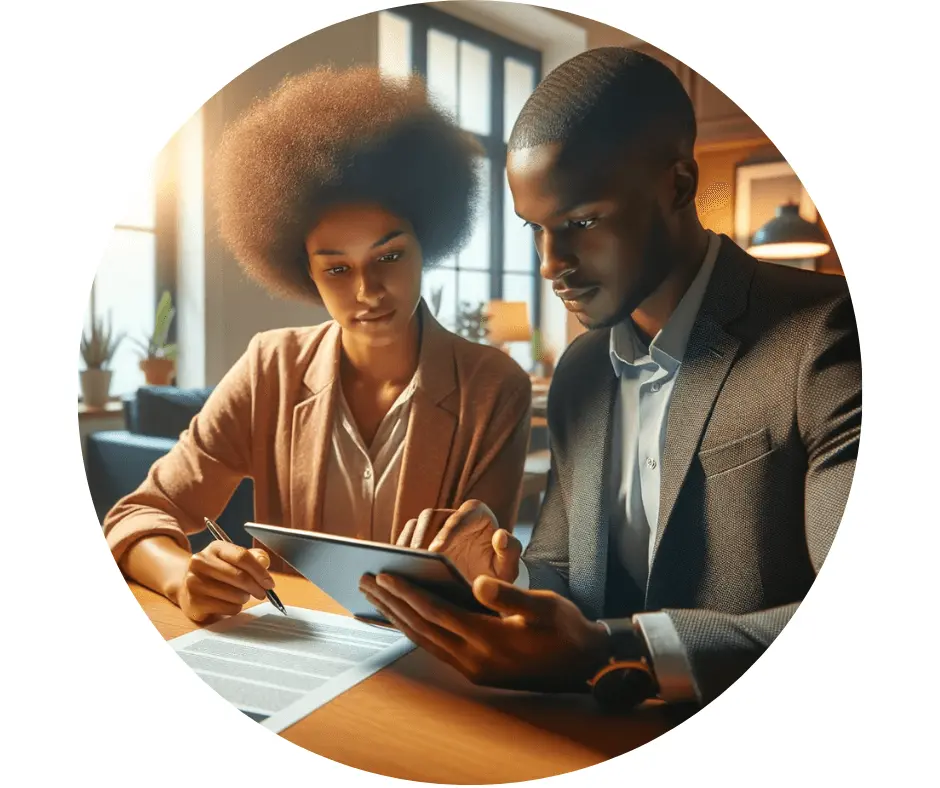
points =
(549, 173)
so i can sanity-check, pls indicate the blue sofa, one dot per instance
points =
(117, 461)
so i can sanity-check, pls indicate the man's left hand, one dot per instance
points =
(540, 642)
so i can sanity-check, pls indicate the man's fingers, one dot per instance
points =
(414, 612)
(404, 538)
(508, 550)
(429, 645)
(417, 606)
(505, 598)
(423, 530)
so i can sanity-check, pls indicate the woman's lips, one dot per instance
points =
(375, 320)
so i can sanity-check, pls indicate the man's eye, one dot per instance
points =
(583, 224)
(533, 227)
(391, 257)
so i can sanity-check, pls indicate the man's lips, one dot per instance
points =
(574, 293)
(575, 299)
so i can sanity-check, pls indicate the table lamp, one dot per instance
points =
(507, 321)
(788, 236)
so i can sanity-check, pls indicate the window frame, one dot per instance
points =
(424, 18)
(165, 237)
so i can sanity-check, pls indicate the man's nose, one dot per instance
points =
(555, 257)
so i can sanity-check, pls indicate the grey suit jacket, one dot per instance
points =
(761, 440)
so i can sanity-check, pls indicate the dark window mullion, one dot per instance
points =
(497, 167)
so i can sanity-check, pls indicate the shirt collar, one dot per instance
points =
(668, 346)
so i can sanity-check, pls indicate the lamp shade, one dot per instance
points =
(508, 321)
(788, 236)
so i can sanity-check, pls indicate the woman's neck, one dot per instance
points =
(392, 364)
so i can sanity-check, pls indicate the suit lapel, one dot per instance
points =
(312, 433)
(709, 355)
(589, 515)
(431, 427)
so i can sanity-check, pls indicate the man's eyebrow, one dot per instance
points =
(381, 242)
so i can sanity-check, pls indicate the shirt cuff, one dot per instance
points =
(522, 579)
(670, 663)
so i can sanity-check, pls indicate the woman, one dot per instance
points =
(336, 189)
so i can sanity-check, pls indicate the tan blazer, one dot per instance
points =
(270, 419)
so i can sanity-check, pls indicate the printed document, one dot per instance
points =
(277, 669)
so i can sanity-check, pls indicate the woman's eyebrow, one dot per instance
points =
(381, 242)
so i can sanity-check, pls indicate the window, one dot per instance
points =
(483, 79)
(128, 281)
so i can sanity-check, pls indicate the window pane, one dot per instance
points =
(473, 287)
(518, 84)
(522, 353)
(445, 278)
(477, 253)
(520, 287)
(475, 80)
(518, 245)
(139, 209)
(125, 286)
(394, 45)
(442, 69)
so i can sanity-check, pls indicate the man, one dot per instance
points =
(704, 431)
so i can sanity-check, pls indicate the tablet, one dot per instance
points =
(335, 565)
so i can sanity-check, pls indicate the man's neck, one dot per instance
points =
(650, 316)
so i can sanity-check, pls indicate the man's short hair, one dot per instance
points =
(607, 100)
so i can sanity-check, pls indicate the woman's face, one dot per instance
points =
(366, 263)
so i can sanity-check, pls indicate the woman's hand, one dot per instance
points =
(220, 579)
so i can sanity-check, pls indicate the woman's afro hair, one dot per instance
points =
(331, 137)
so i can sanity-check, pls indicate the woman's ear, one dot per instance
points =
(685, 183)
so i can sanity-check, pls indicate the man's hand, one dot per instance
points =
(540, 642)
(470, 537)
(221, 579)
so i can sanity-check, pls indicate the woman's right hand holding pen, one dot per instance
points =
(220, 579)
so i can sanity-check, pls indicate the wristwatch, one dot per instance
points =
(627, 679)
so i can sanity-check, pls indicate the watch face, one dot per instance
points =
(623, 688)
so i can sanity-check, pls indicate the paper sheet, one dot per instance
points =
(277, 669)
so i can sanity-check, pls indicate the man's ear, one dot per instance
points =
(685, 183)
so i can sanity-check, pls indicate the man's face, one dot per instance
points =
(601, 229)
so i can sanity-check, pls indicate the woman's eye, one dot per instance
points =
(533, 227)
(337, 270)
(391, 257)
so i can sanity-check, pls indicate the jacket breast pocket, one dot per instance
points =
(734, 454)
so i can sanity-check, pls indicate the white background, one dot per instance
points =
(93, 90)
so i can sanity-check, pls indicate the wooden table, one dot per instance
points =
(419, 719)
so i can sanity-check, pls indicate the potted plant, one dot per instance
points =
(99, 344)
(159, 358)
(471, 322)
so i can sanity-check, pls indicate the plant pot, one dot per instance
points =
(158, 371)
(96, 383)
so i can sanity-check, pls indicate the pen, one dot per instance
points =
(219, 534)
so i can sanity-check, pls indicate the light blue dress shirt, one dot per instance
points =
(647, 378)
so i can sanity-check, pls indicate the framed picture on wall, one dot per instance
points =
(760, 189)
